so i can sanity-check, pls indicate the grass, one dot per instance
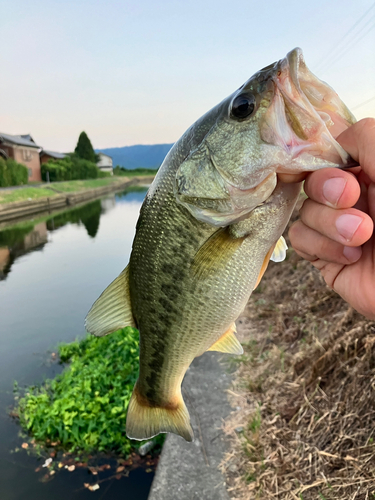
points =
(306, 393)
(134, 172)
(72, 186)
(84, 408)
(55, 188)
(143, 172)
(25, 193)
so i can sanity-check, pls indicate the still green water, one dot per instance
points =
(52, 269)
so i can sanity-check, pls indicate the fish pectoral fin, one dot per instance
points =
(214, 254)
(276, 253)
(144, 421)
(279, 252)
(112, 310)
(228, 342)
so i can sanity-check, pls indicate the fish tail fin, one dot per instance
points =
(145, 421)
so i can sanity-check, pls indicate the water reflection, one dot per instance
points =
(29, 236)
(43, 301)
(18, 241)
(88, 215)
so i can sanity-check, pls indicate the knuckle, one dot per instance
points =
(366, 123)
(295, 231)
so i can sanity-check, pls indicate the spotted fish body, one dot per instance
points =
(207, 228)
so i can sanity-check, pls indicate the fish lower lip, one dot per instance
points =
(351, 164)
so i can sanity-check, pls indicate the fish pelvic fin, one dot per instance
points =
(228, 342)
(276, 253)
(145, 421)
(279, 252)
(112, 310)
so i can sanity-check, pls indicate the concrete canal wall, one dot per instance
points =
(190, 471)
(19, 209)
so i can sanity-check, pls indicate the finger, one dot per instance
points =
(329, 270)
(312, 245)
(371, 201)
(291, 178)
(333, 187)
(349, 227)
(359, 141)
(362, 203)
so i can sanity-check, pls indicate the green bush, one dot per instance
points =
(135, 171)
(70, 168)
(104, 174)
(12, 173)
(84, 408)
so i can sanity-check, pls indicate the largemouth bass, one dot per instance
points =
(209, 224)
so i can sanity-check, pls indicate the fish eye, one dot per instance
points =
(242, 106)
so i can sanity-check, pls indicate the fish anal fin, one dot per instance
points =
(215, 253)
(112, 310)
(144, 420)
(228, 342)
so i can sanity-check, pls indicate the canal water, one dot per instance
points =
(52, 269)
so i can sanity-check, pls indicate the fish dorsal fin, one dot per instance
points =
(112, 310)
(276, 253)
(215, 253)
(279, 252)
(228, 342)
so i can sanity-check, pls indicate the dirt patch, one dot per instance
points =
(304, 425)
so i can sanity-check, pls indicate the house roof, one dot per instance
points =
(20, 140)
(103, 154)
(53, 154)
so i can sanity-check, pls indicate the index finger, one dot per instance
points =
(359, 141)
(333, 187)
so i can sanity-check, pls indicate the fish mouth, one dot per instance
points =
(305, 116)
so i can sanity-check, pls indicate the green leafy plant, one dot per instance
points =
(135, 171)
(12, 173)
(69, 168)
(84, 408)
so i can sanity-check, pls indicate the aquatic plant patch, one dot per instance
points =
(84, 408)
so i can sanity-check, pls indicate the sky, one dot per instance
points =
(142, 71)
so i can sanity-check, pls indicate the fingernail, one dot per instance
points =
(352, 253)
(333, 189)
(347, 225)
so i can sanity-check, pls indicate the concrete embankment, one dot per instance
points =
(190, 471)
(19, 209)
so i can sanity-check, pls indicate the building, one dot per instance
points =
(50, 155)
(105, 163)
(22, 149)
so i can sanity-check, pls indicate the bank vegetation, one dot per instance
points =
(304, 425)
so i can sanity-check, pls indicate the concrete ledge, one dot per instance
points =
(189, 471)
(18, 209)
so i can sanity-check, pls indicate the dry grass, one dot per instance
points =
(304, 427)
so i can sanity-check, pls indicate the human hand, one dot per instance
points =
(336, 229)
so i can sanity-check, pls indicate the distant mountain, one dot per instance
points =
(131, 157)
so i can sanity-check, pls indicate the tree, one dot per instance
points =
(84, 148)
